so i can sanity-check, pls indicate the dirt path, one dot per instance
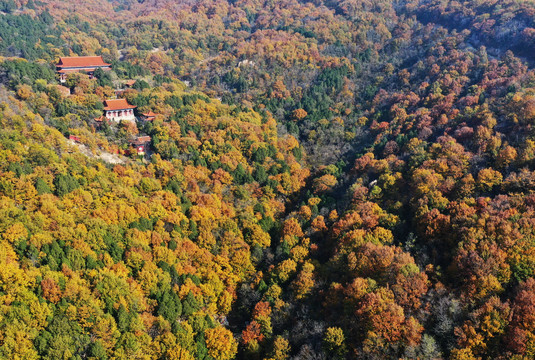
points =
(102, 155)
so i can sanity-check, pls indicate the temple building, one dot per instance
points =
(100, 121)
(140, 144)
(129, 83)
(119, 109)
(87, 64)
(149, 116)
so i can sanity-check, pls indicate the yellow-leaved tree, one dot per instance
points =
(220, 343)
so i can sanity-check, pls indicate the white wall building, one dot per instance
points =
(119, 109)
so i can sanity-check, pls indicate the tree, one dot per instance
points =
(506, 156)
(281, 349)
(24, 92)
(304, 281)
(220, 343)
(8, 6)
(51, 290)
(42, 187)
(324, 183)
(521, 334)
(487, 179)
(299, 114)
(64, 184)
(334, 343)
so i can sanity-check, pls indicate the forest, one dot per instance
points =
(349, 179)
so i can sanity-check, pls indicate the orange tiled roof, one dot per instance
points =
(88, 69)
(117, 104)
(81, 61)
(149, 114)
(130, 82)
(141, 140)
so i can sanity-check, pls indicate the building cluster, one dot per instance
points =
(115, 110)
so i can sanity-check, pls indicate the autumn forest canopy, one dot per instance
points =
(305, 180)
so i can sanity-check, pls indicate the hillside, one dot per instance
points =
(321, 180)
